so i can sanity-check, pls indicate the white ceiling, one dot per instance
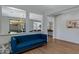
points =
(13, 12)
(34, 16)
(47, 9)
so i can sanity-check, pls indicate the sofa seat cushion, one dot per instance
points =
(25, 44)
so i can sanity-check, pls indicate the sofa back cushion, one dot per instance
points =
(27, 38)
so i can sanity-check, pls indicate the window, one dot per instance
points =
(36, 21)
(16, 25)
(37, 26)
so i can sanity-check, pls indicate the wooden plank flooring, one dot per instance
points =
(55, 47)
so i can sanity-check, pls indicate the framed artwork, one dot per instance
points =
(72, 24)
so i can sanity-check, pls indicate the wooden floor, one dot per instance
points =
(56, 47)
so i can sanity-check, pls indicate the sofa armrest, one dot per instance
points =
(13, 43)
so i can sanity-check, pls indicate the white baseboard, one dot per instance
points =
(66, 40)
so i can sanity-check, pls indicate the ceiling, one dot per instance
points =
(47, 9)
(13, 12)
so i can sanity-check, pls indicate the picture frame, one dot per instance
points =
(72, 24)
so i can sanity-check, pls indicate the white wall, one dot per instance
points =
(4, 25)
(0, 18)
(64, 33)
(3, 28)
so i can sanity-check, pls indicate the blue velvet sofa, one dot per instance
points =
(25, 42)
